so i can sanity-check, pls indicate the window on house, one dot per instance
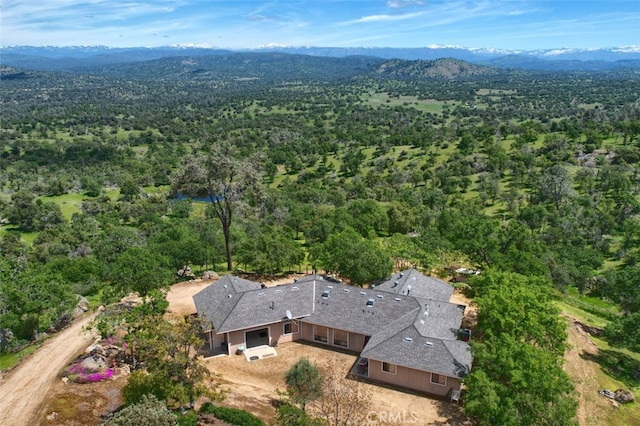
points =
(389, 368)
(290, 328)
(341, 338)
(438, 379)
(320, 333)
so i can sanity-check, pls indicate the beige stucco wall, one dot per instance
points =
(412, 379)
(356, 341)
(216, 340)
(236, 338)
(276, 335)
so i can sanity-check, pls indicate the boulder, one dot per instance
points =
(92, 364)
(624, 396)
(83, 303)
(77, 312)
(185, 273)
(210, 275)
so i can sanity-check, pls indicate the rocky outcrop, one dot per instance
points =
(210, 275)
(624, 396)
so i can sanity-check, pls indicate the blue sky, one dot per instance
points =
(514, 24)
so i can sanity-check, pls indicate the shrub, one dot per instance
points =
(290, 415)
(149, 411)
(190, 418)
(140, 384)
(231, 415)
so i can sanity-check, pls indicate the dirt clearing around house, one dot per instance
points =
(252, 386)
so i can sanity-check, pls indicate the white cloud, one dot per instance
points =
(383, 18)
(404, 3)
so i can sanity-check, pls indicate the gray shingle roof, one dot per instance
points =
(417, 285)
(404, 345)
(234, 303)
(346, 308)
(439, 319)
(269, 305)
(401, 333)
(217, 300)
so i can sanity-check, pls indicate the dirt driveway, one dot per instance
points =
(23, 389)
(593, 409)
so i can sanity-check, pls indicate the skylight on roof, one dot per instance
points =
(325, 294)
(370, 302)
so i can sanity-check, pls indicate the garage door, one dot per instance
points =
(257, 337)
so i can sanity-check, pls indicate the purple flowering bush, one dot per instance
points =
(78, 374)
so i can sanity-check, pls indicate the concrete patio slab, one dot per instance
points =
(259, 352)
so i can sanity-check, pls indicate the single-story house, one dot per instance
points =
(405, 327)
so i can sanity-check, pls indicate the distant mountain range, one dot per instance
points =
(79, 57)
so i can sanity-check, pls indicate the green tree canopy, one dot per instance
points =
(304, 383)
(224, 178)
(353, 257)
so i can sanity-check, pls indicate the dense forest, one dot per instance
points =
(114, 177)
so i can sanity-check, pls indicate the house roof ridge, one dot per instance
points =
(389, 326)
(230, 311)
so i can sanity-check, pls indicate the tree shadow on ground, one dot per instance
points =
(619, 366)
(454, 412)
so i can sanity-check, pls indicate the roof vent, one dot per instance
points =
(279, 291)
(229, 296)
(429, 344)
(397, 299)
(364, 293)
(325, 294)
(373, 286)
(421, 322)
(401, 274)
(370, 302)
(260, 294)
(381, 296)
(408, 339)
(346, 290)
(330, 287)
(395, 283)
(225, 286)
(295, 280)
(294, 288)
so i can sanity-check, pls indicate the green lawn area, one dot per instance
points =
(69, 203)
(426, 105)
(8, 360)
